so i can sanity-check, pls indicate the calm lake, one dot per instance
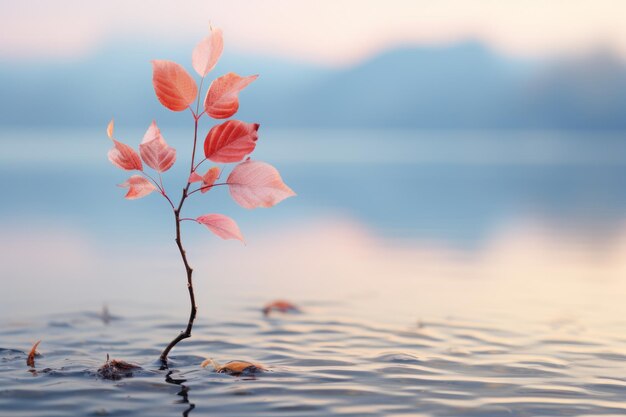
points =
(438, 273)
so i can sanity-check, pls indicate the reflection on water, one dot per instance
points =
(184, 391)
(469, 276)
(526, 272)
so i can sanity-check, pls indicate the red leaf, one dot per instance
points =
(222, 99)
(255, 184)
(230, 141)
(209, 179)
(174, 87)
(138, 187)
(280, 305)
(155, 152)
(221, 225)
(207, 52)
(30, 360)
(122, 155)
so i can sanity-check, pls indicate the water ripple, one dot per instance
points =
(315, 366)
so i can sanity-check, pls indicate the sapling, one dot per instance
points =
(251, 183)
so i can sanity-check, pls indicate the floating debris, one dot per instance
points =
(116, 369)
(105, 316)
(30, 361)
(281, 306)
(234, 367)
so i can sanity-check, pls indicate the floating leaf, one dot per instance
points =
(280, 306)
(174, 87)
(105, 316)
(222, 99)
(30, 361)
(234, 367)
(221, 225)
(116, 369)
(155, 152)
(138, 187)
(207, 52)
(255, 184)
(230, 141)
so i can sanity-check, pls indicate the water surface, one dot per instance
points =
(439, 274)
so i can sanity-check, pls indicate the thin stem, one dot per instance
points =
(159, 186)
(192, 299)
(194, 151)
(208, 186)
(168, 200)
(156, 183)
(161, 182)
(196, 117)
(193, 154)
(198, 101)
(163, 193)
(198, 164)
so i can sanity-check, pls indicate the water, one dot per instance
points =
(319, 363)
(439, 274)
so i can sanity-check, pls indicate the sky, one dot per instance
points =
(326, 32)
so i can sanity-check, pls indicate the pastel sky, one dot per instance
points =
(328, 32)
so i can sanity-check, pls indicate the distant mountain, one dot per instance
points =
(462, 86)
(458, 86)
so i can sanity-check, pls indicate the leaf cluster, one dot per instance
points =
(251, 183)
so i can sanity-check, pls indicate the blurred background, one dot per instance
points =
(450, 158)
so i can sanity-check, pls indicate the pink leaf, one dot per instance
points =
(222, 99)
(174, 87)
(155, 152)
(207, 52)
(194, 177)
(122, 155)
(230, 141)
(138, 187)
(209, 179)
(255, 184)
(221, 225)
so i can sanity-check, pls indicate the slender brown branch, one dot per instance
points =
(168, 200)
(194, 309)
